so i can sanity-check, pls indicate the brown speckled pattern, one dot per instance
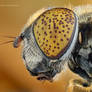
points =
(53, 31)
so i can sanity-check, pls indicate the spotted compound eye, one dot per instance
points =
(54, 31)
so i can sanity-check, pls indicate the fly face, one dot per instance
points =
(48, 41)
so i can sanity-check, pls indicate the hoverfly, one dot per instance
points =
(55, 36)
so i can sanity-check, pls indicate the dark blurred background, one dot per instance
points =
(13, 75)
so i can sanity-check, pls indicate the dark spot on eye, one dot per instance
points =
(68, 32)
(66, 25)
(45, 33)
(62, 30)
(38, 26)
(54, 25)
(39, 34)
(54, 41)
(38, 38)
(49, 20)
(42, 19)
(46, 44)
(43, 38)
(61, 39)
(68, 22)
(59, 31)
(57, 43)
(55, 31)
(44, 48)
(43, 15)
(49, 48)
(45, 23)
(41, 45)
(68, 28)
(42, 28)
(49, 26)
(55, 36)
(66, 15)
(63, 13)
(57, 20)
(42, 22)
(63, 26)
(60, 15)
(46, 40)
(50, 36)
(60, 22)
(50, 32)
(47, 17)
(49, 45)
(65, 19)
(67, 39)
(69, 12)
(64, 35)
(72, 23)
(56, 15)
(58, 47)
(54, 46)
(52, 14)
(52, 50)
(54, 18)
(57, 27)
(62, 18)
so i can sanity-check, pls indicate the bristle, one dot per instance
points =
(5, 42)
(70, 6)
(79, 10)
(7, 36)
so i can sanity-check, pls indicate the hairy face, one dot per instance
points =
(36, 62)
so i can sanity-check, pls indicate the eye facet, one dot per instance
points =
(54, 31)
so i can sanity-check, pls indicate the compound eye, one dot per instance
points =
(54, 31)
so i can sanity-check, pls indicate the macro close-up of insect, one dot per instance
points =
(53, 50)
(55, 36)
(48, 42)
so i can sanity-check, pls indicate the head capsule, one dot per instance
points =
(48, 40)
